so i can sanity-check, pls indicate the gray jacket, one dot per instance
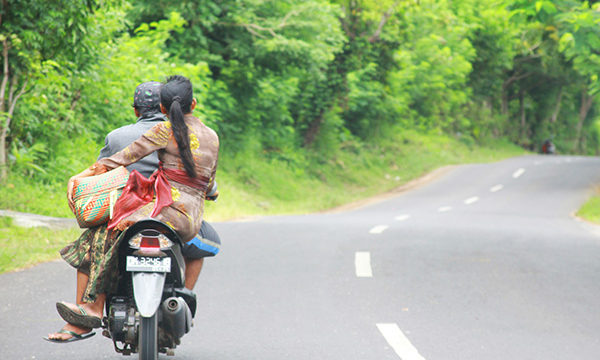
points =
(118, 140)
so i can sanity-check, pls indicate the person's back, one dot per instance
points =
(188, 151)
(146, 103)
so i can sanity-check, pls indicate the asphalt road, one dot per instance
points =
(485, 262)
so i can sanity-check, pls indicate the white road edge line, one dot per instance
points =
(362, 263)
(445, 208)
(402, 217)
(378, 229)
(471, 200)
(518, 173)
(399, 342)
(497, 188)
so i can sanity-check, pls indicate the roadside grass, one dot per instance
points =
(23, 247)
(257, 184)
(253, 186)
(24, 195)
(590, 211)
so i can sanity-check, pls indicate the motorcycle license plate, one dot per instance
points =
(148, 264)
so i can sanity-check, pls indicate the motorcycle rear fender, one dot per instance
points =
(147, 291)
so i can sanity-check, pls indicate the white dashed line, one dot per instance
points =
(399, 342)
(497, 188)
(378, 229)
(402, 217)
(471, 200)
(518, 173)
(445, 208)
(362, 263)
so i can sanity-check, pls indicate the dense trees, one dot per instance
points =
(296, 77)
(38, 37)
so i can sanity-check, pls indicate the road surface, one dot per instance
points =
(486, 262)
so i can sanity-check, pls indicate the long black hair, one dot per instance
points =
(176, 95)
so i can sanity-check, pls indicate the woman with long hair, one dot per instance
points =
(188, 153)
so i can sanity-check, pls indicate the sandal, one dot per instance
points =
(81, 318)
(74, 336)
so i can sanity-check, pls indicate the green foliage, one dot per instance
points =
(70, 157)
(282, 54)
(24, 159)
(64, 36)
(43, 44)
(580, 42)
(22, 247)
(49, 66)
(251, 185)
(127, 62)
(297, 83)
(26, 194)
(263, 56)
(255, 183)
(495, 40)
(590, 211)
(368, 106)
(434, 66)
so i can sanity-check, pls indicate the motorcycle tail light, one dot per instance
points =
(150, 242)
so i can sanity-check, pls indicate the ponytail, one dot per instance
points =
(176, 96)
(180, 131)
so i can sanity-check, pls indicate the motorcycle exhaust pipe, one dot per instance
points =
(177, 317)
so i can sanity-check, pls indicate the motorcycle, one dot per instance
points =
(151, 309)
(548, 147)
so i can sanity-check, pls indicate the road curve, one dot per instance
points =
(486, 262)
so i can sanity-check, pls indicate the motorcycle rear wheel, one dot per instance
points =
(148, 338)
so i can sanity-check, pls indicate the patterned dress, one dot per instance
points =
(93, 253)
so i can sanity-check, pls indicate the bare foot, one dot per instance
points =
(69, 327)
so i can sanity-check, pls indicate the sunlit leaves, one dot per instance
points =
(434, 64)
(580, 42)
(546, 6)
(130, 61)
(285, 74)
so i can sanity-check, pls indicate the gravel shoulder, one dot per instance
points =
(33, 220)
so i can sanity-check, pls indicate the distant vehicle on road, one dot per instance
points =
(548, 147)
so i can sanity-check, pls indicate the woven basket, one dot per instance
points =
(95, 196)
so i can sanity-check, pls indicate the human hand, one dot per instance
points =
(92, 170)
(98, 169)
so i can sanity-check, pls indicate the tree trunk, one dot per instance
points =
(7, 103)
(504, 109)
(557, 107)
(3, 165)
(5, 121)
(313, 129)
(506, 85)
(586, 104)
(384, 18)
(522, 114)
